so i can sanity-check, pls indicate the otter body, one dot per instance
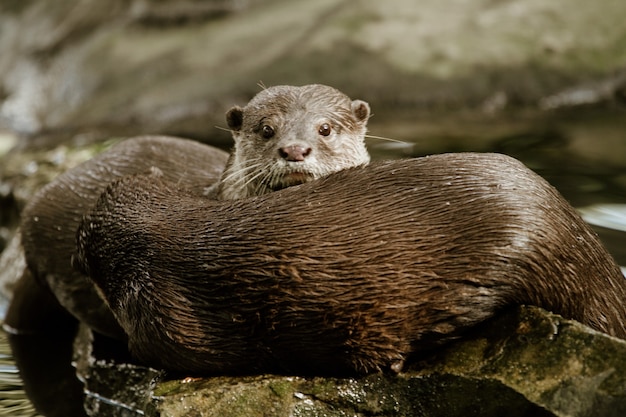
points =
(290, 135)
(353, 273)
(50, 220)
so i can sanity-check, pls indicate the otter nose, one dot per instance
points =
(294, 153)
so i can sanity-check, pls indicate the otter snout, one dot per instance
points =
(294, 153)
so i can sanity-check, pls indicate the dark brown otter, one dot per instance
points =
(290, 135)
(50, 220)
(353, 273)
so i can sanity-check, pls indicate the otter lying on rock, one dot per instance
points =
(354, 273)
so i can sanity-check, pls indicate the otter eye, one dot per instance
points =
(324, 129)
(267, 131)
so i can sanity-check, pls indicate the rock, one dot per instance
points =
(111, 388)
(24, 172)
(557, 364)
(526, 362)
(376, 395)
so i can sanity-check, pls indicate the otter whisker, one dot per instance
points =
(237, 179)
(250, 181)
(241, 173)
(224, 129)
(253, 178)
(273, 181)
(387, 139)
(270, 180)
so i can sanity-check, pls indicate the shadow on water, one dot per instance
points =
(41, 336)
(38, 376)
(45, 366)
(43, 342)
(13, 400)
(590, 173)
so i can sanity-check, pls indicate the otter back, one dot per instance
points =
(350, 274)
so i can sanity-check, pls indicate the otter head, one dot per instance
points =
(290, 135)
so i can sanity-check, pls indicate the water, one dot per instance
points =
(584, 156)
(13, 401)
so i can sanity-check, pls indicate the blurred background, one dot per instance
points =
(543, 81)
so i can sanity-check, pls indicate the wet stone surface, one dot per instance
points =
(528, 362)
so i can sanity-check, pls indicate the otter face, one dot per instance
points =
(291, 135)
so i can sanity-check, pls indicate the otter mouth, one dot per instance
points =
(291, 179)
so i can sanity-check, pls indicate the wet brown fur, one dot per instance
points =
(50, 220)
(354, 273)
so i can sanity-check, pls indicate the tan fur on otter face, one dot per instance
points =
(290, 135)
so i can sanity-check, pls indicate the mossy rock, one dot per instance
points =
(527, 362)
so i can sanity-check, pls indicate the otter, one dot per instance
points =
(358, 272)
(290, 135)
(50, 220)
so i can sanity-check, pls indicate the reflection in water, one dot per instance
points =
(108, 384)
(13, 401)
(47, 375)
(609, 220)
(609, 216)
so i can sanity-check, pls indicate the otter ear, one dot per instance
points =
(361, 110)
(234, 118)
